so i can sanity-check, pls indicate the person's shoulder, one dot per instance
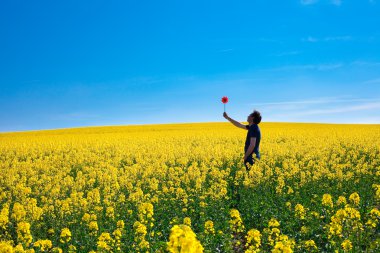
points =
(254, 127)
(247, 127)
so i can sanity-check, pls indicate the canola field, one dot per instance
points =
(184, 188)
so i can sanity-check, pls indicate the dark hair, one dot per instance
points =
(256, 117)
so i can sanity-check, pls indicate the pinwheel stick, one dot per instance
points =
(224, 101)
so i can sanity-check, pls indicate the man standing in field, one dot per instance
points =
(252, 142)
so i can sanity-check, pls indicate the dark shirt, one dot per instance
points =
(253, 131)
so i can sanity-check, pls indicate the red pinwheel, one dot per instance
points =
(224, 101)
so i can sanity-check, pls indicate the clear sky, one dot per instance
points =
(89, 63)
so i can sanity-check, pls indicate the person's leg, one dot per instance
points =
(248, 160)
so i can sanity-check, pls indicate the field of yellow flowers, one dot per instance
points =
(184, 188)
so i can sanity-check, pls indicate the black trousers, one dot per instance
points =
(250, 160)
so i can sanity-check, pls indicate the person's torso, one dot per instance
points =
(256, 150)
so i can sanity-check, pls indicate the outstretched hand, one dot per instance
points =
(225, 115)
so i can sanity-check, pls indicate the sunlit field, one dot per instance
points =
(184, 188)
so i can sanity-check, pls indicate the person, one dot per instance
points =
(252, 141)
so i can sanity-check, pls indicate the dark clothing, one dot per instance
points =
(250, 161)
(253, 131)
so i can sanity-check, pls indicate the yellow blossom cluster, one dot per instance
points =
(300, 211)
(134, 188)
(236, 224)
(253, 241)
(183, 240)
(209, 227)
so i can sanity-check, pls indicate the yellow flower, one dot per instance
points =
(93, 217)
(273, 223)
(93, 227)
(6, 247)
(183, 240)
(283, 245)
(110, 212)
(253, 238)
(341, 201)
(374, 217)
(352, 213)
(344, 219)
(346, 245)
(310, 245)
(140, 233)
(187, 221)
(354, 199)
(4, 217)
(304, 230)
(146, 209)
(72, 249)
(19, 249)
(65, 235)
(375, 213)
(209, 227)
(56, 250)
(273, 233)
(300, 212)
(43, 245)
(34, 212)
(117, 234)
(327, 200)
(315, 214)
(86, 218)
(23, 233)
(18, 212)
(335, 229)
(377, 191)
(145, 212)
(140, 228)
(120, 224)
(236, 224)
(105, 242)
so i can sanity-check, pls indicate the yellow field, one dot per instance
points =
(184, 188)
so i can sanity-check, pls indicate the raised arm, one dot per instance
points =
(234, 122)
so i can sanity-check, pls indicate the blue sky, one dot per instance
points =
(89, 63)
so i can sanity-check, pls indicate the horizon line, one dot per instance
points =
(180, 123)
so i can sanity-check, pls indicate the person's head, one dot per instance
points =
(254, 117)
